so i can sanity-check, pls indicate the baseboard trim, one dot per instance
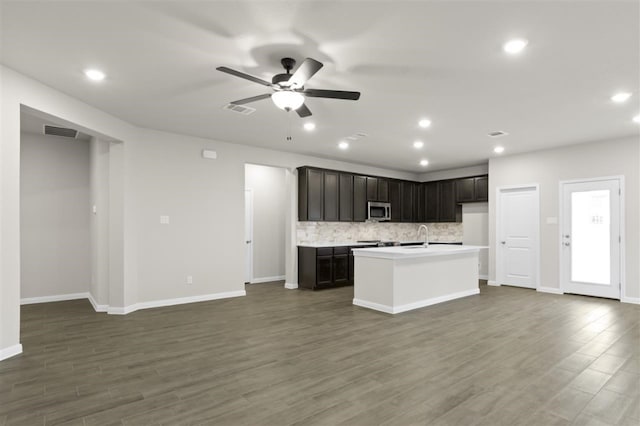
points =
(54, 298)
(291, 286)
(96, 307)
(11, 351)
(267, 279)
(416, 305)
(372, 305)
(171, 302)
(493, 283)
(549, 290)
(633, 300)
(483, 277)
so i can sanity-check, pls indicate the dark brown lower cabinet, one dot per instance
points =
(323, 267)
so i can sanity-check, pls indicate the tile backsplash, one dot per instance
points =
(339, 232)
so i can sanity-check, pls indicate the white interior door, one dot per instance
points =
(518, 227)
(591, 238)
(248, 235)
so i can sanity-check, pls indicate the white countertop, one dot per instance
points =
(355, 243)
(409, 252)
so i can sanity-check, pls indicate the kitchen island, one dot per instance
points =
(399, 279)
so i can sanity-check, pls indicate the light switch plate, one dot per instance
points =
(164, 220)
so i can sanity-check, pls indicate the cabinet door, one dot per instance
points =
(383, 190)
(418, 203)
(330, 196)
(466, 190)
(359, 198)
(406, 194)
(315, 194)
(341, 269)
(482, 188)
(372, 188)
(346, 197)
(431, 201)
(395, 200)
(324, 270)
(448, 207)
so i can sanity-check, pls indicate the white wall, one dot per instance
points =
(54, 216)
(548, 168)
(269, 187)
(475, 223)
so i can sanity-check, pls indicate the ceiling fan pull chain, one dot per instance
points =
(289, 138)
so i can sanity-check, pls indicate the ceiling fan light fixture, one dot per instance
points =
(287, 100)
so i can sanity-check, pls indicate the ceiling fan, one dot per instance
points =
(288, 89)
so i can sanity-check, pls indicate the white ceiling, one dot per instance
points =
(413, 59)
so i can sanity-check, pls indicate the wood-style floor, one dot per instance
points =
(508, 356)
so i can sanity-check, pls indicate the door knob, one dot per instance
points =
(503, 242)
(567, 243)
(248, 241)
(567, 236)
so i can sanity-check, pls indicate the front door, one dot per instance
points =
(591, 237)
(517, 248)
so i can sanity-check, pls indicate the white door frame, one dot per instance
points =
(536, 189)
(248, 217)
(561, 205)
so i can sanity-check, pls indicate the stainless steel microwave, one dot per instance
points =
(378, 212)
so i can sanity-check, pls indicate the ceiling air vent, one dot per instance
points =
(60, 131)
(497, 134)
(240, 109)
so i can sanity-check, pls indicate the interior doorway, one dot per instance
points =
(266, 203)
(591, 237)
(518, 238)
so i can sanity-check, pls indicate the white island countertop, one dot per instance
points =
(409, 252)
(370, 244)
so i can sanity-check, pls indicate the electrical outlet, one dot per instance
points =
(189, 279)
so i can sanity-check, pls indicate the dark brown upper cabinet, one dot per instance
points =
(472, 189)
(383, 190)
(372, 188)
(310, 194)
(359, 198)
(331, 196)
(448, 209)
(395, 200)
(407, 196)
(345, 203)
(431, 202)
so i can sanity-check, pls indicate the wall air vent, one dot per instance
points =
(497, 134)
(240, 109)
(60, 131)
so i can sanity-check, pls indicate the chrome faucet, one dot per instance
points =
(426, 234)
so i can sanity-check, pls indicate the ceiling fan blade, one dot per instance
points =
(303, 111)
(304, 72)
(333, 94)
(245, 76)
(251, 99)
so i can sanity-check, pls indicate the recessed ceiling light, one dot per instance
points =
(309, 126)
(637, 118)
(343, 145)
(621, 97)
(418, 144)
(424, 123)
(498, 149)
(424, 163)
(95, 75)
(515, 46)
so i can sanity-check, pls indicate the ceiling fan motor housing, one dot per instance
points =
(280, 78)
